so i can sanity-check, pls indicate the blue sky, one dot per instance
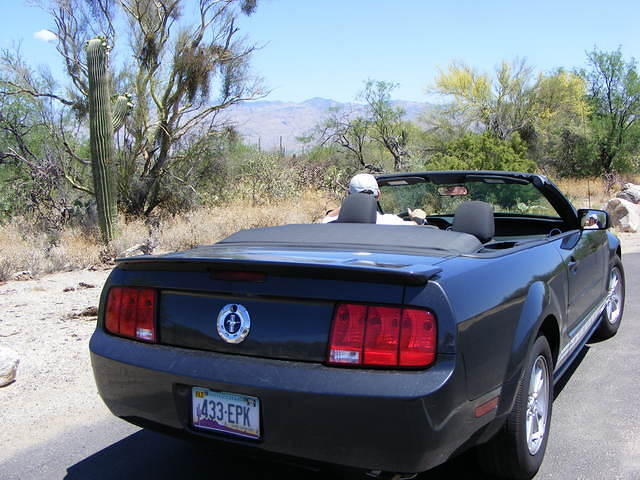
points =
(328, 48)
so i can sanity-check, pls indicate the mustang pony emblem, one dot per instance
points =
(233, 323)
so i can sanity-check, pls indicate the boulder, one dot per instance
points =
(8, 365)
(145, 248)
(24, 275)
(624, 215)
(630, 193)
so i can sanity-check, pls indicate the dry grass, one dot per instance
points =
(23, 248)
(591, 192)
(209, 225)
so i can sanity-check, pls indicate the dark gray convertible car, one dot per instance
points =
(386, 348)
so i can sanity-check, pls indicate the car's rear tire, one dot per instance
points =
(612, 315)
(517, 450)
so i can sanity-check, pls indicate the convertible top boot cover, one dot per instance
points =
(352, 236)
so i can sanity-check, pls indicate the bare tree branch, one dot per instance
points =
(22, 90)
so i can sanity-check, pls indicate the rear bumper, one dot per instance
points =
(378, 420)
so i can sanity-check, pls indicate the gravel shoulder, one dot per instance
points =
(54, 390)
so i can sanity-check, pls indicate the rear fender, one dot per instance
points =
(541, 302)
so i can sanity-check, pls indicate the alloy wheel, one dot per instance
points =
(537, 404)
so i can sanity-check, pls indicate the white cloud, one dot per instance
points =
(45, 35)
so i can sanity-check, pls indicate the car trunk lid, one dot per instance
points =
(290, 303)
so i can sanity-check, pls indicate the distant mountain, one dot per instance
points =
(264, 122)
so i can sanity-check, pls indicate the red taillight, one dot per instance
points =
(114, 304)
(131, 312)
(347, 334)
(382, 335)
(377, 335)
(417, 338)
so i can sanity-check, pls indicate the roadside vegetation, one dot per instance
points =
(180, 176)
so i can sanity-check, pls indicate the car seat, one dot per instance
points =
(475, 218)
(358, 208)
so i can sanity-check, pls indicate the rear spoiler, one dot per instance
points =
(357, 271)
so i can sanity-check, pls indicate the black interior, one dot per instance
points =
(511, 225)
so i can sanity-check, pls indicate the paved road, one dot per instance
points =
(595, 431)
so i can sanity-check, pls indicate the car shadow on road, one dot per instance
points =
(146, 454)
(562, 381)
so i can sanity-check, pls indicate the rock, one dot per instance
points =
(145, 248)
(133, 251)
(24, 275)
(68, 289)
(86, 285)
(89, 312)
(8, 365)
(630, 193)
(624, 215)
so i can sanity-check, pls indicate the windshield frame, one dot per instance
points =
(546, 187)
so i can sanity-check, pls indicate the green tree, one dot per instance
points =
(31, 178)
(502, 105)
(349, 132)
(482, 152)
(386, 121)
(514, 101)
(182, 76)
(560, 135)
(370, 134)
(614, 96)
(545, 110)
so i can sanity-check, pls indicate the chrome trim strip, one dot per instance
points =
(581, 332)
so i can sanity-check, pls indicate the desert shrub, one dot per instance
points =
(12, 200)
(324, 168)
(262, 177)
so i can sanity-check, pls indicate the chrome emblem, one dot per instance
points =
(233, 323)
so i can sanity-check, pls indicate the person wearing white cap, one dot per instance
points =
(366, 183)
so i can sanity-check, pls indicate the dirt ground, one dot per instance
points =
(54, 389)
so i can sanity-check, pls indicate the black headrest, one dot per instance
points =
(475, 218)
(358, 208)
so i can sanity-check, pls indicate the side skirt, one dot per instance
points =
(579, 340)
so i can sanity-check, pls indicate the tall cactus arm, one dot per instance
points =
(101, 136)
(121, 108)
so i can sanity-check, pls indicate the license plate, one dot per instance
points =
(226, 412)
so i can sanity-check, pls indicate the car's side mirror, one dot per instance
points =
(593, 219)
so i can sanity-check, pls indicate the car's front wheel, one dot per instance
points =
(517, 450)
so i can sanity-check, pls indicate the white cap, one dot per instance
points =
(364, 182)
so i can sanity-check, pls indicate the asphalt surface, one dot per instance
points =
(595, 430)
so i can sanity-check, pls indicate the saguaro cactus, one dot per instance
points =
(101, 136)
(122, 105)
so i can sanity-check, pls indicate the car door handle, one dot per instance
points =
(573, 265)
